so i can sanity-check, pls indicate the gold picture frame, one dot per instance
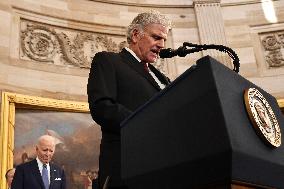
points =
(11, 101)
(281, 104)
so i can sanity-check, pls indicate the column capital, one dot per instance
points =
(205, 1)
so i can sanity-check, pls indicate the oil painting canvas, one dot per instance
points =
(77, 142)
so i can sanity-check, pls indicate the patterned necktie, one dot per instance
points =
(45, 176)
(145, 67)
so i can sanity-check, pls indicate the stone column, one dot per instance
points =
(211, 28)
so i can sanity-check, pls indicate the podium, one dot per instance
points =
(196, 133)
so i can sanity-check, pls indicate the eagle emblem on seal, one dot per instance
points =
(262, 117)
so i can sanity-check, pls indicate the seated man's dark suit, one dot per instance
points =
(118, 84)
(27, 176)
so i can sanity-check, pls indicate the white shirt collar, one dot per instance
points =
(40, 165)
(133, 53)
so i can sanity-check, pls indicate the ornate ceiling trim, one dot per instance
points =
(143, 4)
(240, 2)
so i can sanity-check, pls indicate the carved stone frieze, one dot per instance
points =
(62, 46)
(273, 45)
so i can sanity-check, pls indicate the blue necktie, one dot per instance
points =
(45, 176)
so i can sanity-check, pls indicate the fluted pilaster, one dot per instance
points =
(211, 28)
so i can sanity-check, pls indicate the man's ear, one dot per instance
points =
(136, 35)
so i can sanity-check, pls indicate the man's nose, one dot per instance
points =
(161, 43)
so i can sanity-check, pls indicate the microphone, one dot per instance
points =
(181, 51)
(167, 53)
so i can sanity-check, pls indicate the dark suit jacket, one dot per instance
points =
(27, 176)
(117, 86)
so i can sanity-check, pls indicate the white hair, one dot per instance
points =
(144, 19)
(46, 138)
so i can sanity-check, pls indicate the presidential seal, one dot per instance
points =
(262, 117)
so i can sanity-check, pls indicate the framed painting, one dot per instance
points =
(24, 118)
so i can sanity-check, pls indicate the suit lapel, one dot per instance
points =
(138, 67)
(159, 75)
(52, 176)
(36, 172)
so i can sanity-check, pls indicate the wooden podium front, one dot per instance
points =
(196, 133)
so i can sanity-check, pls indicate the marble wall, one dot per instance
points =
(46, 46)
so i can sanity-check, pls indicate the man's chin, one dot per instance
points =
(152, 61)
(152, 58)
(45, 161)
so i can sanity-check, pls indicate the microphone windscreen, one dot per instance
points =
(165, 53)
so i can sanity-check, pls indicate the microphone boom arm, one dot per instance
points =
(183, 51)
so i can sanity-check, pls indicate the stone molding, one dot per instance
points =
(205, 2)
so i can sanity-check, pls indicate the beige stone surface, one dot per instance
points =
(244, 25)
